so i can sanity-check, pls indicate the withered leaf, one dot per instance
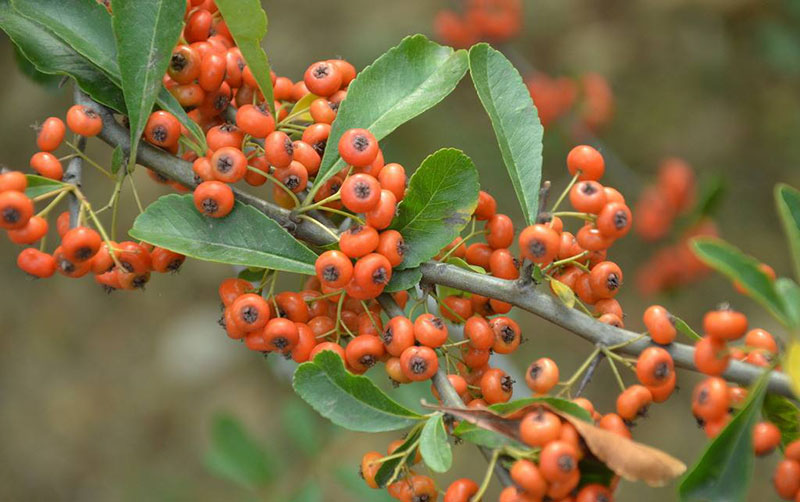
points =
(629, 459)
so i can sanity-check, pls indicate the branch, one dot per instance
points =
(73, 172)
(523, 296)
(549, 308)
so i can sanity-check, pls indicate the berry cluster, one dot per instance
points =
(124, 265)
(590, 97)
(492, 20)
(787, 473)
(712, 356)
(659, 206)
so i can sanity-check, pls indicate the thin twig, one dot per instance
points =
(587, 377)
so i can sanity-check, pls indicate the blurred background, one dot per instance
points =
(140, 396)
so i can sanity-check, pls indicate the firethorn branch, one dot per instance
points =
(72, 175)
(549, 308)
(522, 294)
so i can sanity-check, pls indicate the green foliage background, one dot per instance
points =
(112, 397)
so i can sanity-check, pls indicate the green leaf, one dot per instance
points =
(403, 280)
(51, 55)
(515, 120)
(245, 237)
(482, 437)
(27, 68)
(84, 24)
(301, 426)
(388, 468)
(350, 401)
(251, 274)
(247, 22)
(146, 32)
(723, 472)
(39, 185)
(459, 262)
(789, 292)
(433, 445)
(441, 196)
(301, 109)
(117, 157)
(712, 192)
(731, 262)
(687, 330)
(782, 412)
(311, 492)
(788, 201)
(401, 84)
(237, 456)
(791, 364)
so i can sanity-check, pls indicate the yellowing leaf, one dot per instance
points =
(563, 292)
(792, 365)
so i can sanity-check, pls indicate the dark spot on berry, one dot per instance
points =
(620, 219)
(83, 253)
(224, 164)
(11, 215)
(210, 206)
(319, 146)
(292, 181)
(418, 365)
(280, 343)
(662, 371)
(507, 383)
(360, 142)
(321, 71)
(128, 266)
(437, 322)
(220, 102)
(566, 463)
(421, 498)
(612, 282)
(508, 334)
(178, 62)
(330, 273)
(288, 146)
(537, 248)
(175, 265)
(159, 134)
(362, 190)
(588, 188)
(249, 314)
(140, 280)
(380, 276)
(66, 266)
(387, 336)
(401, 247)
(368, 360)
(535, 371)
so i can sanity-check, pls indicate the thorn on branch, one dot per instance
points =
(587, 377)
(544, 192)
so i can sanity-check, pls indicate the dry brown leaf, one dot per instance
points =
(627, 458)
